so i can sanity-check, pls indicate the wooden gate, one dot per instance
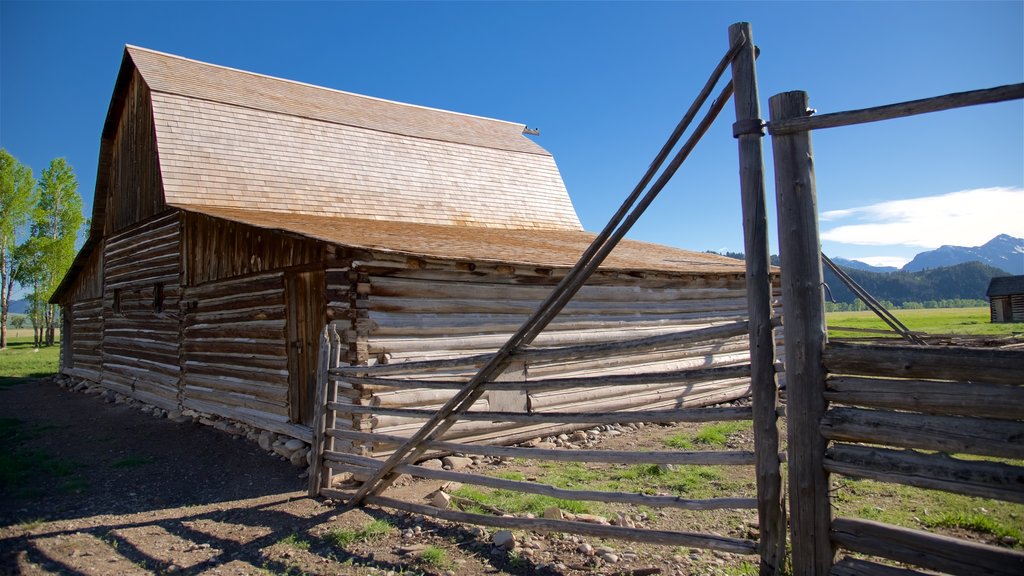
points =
(927, 402)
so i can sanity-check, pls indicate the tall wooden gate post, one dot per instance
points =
(804, 305)
(749, 130)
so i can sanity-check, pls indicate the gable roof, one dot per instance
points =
(1006, 286)
(234, 139)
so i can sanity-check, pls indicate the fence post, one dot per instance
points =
(749, 131)
(320, 414)
(804, 305)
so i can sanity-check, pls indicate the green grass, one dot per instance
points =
(481, 499)
(435, 557)
(712, 435)
(342, 537)
(919, 508)
(20, 361)
(959, 321)
(973, 521)
(295, 541)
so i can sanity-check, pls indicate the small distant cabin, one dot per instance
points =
(1006, 299)
(236, 215)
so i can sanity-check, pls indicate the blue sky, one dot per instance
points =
(605, 83)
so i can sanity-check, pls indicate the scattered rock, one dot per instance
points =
(553, 513)
(504, 539)
(585, 548)
(456, 462)
(298, 458)
(440, 500)
(578, 436)
(609, 558)
(294, 444)
(593, 519)
(434, 464)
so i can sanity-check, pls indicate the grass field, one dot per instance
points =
(958, 321)
(21, 360)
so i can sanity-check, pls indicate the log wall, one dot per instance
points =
(234, 351)
(141, 311)
(422, 311)
(83, 310)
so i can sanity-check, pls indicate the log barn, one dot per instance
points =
(1006, 299)
(236, 214)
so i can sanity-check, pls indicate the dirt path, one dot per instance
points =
(96, 488)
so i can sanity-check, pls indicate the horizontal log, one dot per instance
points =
(477, 305)
(677, 339)
(242, 284)
(237, 345)
(224, 331)
(710, 458)
(674, 377)
(646, 416)
(424, 288)
(166, 275)
(83, 373)
(262, 420)
(267, 391)
(951, 434)
(387, 323)
(250, 361)
(898, 110)
(706, 541)
(230, 317)
(977, 399)
(235, 400)
(930, 551)
(990, 365)
(239, 299)
(936, 471)
(480, 343)
(660, 501)
(136, 373)
(857, 567)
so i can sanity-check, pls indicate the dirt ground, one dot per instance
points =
(96, 488)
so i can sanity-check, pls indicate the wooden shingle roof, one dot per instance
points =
(233, 139)
(540, 248)
(1005, 286)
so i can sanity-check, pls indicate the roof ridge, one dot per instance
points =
(308, 85)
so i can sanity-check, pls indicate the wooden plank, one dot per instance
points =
(646, 416)
(990, 365)
(930, 551)
(951, 434)
(978, 399)
(319, 426)
(796, 125)
(857, 567)
(936, 471)
(802, 299)
(710, 458)
(672, 377)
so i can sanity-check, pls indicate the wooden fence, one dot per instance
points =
(895, 415)
(896, 412)
(341, 446)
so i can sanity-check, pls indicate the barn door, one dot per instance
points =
(304, 298)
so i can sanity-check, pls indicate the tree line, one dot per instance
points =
(959, 286)
(40, 220)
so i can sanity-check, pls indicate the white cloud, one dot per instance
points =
(966, 218)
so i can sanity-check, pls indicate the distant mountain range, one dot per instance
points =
(1003, 252)
(966, 281)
